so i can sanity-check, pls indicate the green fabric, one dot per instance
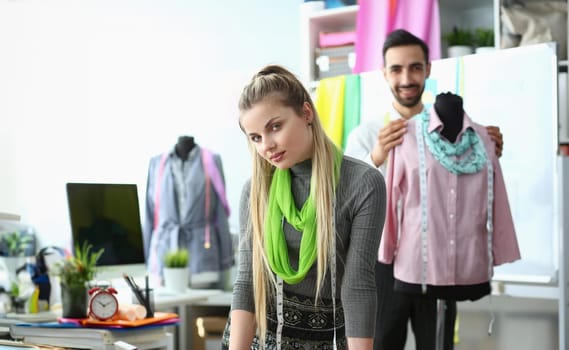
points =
(351, 106)
(281, 206)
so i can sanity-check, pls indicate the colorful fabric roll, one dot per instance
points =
(376, 19)
(351, 106)
(330, 106)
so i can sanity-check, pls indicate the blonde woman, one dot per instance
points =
(311, 220)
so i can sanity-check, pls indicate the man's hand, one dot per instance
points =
(497, 137)
(389, 136)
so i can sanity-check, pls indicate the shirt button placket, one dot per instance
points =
(452, 199)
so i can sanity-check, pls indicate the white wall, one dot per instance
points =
(91, 89)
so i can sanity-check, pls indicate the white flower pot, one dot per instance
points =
(483, 49)
(176, 279)
(459, 50)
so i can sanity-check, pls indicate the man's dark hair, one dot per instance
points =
(401, 37)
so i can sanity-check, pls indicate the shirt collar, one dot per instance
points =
(436, 124)
(191, 155)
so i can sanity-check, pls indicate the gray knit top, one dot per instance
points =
(360, 213)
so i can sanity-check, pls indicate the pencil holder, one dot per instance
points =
(150, 296)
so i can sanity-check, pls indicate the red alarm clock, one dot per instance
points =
(103, 305)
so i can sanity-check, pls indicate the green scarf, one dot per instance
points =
(281, 206)
(467, 156)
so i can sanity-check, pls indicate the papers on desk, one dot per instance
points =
(11, 345)
(92, 336)
(44, 316)
(85, 338)
(9, 216)
(159, 317)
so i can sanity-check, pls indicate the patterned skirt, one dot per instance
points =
(306, 326)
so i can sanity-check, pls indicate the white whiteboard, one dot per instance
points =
(516, 89)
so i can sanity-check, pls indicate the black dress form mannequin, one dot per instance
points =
(184, 146)
(450, 111)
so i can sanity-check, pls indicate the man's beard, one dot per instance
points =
(408, 103)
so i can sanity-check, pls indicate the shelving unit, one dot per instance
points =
(462, 13)
(315, 19)
(563, 82)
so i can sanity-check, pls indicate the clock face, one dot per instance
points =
(103, 305)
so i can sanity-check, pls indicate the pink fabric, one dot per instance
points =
(376, 19)
(336, 39)
(213, 172)
(456, 213)
(153, 258)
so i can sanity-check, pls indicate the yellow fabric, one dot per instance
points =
(456, 337)
(330, 106)
(33, 303)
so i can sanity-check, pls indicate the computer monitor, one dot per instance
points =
(108, 216)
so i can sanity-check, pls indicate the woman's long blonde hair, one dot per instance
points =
(276, 82)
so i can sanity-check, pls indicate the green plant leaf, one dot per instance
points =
(80, 268)
(176, 258)
(483, 37)
(16, 243)
(459, 36)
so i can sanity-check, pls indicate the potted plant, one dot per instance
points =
(484, 39)
(14, 246)
(176, 272)
(16, 243)
(74, 273)
(459, 42)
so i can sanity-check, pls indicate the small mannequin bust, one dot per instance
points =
(451, 113)
(184, 146)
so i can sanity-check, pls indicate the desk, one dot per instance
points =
(222, 299)
(164, 300)
(216, 305)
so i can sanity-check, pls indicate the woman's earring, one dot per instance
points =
(309, 124)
